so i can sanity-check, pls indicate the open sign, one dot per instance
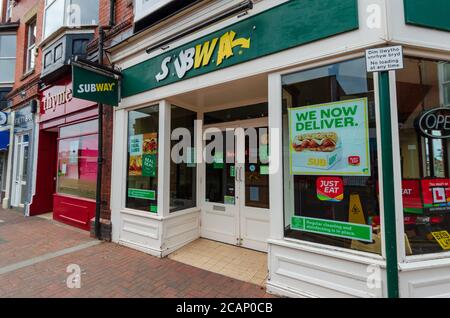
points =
(435, 120)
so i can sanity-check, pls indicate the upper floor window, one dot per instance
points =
(3, 97)
(69, 13)
(9, 6)
(7, 57)
(31, 45)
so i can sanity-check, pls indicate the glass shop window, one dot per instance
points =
(220, 174)
(142, 176)
(330, 157)
(183, 170)
(77, 160)
(424, 131)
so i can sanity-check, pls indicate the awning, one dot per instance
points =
(4, 140)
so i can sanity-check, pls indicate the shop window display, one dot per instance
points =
(330, 157)
(183, 183)
(77, 160)
(424, 131)
(142, 176)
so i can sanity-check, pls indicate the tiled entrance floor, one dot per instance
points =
(232, 261)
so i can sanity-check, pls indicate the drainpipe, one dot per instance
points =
(388, 186)
(98, 197)
(112, 13)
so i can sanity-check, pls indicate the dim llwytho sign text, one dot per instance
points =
(384, 59)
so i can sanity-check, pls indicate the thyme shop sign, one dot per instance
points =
(330, 139)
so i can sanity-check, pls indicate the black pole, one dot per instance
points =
(98, 196)
(112, 13)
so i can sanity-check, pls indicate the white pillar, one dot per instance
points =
(164, 159)
(119, 170)
(276, 153)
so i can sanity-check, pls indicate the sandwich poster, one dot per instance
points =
(330, 139)
(143, 155)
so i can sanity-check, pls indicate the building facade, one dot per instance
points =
(54, 136)
(8, 36)
(314, 190)
(24, 99)
(66, 163)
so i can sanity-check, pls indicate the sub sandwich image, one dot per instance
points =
(135, 167)
(319, 142)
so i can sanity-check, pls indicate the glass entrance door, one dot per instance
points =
(236, 189)
(20, 170)
(253, 182)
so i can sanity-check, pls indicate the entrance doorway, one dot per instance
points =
(20, 171)
(235, 206)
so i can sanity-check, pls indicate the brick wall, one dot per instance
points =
(25, 86)
(2, 11)
(123, 21)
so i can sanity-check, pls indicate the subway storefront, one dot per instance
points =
(274, 137)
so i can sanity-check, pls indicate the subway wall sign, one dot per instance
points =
(94, 86)
(297, 22)
(434, 123)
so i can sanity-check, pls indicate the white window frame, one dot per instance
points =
(48, 4)
(276, 181)
(404, 259)
(12, 58)
(65, 23)
(443, 83)
(31, 48)
(9, 7)
(142, 10)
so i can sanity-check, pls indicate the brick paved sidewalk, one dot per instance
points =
(108, 270)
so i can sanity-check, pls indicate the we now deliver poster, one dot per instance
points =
(330, 139)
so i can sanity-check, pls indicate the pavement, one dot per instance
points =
(41, 258)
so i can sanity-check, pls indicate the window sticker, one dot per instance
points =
(330, 139)
(142, 194)
(232, 171)
(229, 200)
(330, 189)
(436, 194)
(443, 238)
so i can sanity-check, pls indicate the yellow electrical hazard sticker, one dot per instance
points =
(443, 238)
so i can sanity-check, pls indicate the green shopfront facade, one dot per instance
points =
(344, 203)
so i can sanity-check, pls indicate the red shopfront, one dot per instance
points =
(67, 156)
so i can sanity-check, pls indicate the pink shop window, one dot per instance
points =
(77, 166)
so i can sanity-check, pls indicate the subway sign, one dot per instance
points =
(288, 25)
(92, 85)
(216, 51)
